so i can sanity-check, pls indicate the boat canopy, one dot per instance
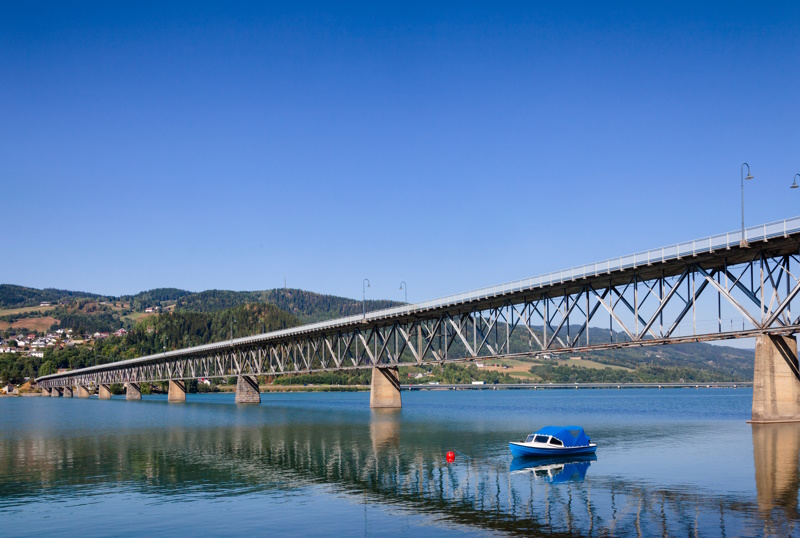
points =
(569, 435)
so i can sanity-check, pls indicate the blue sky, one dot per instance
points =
(450, 145)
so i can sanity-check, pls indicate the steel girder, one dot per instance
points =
(712, 297)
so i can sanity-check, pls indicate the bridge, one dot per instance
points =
(731, 285)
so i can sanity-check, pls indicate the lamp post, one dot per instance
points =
(743, 240)
(404, 287)
(794, 184)
(364, 286)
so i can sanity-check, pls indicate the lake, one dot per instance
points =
(669, 462)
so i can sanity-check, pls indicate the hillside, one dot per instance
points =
(306, 305)
(172, 330)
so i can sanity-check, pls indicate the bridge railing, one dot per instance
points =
(761, 232)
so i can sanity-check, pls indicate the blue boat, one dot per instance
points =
(554, 441)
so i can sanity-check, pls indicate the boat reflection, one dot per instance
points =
(554, 470)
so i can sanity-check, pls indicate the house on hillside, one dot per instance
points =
(44, 303)
(121, 332)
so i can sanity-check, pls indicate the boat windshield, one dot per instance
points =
(554, 441)
(540, 439)
(529, 439)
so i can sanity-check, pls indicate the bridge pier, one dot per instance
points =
(67, 392)
(45, 392)
(247, 390)
(384, 391)
(104, 392)
(177, 391)
(55, 392)
(83, 392)
(132, 391)
(776, 380)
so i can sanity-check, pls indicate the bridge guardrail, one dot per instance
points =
(672, 252)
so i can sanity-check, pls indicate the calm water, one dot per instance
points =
(670, 462)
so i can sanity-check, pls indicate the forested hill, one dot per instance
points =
(306, 305)
(12, 296)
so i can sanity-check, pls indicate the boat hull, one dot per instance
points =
(520, 450)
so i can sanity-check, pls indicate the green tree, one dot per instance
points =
(47, 368)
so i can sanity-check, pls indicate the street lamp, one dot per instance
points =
(364, 286)
(794, 183)
(743, 240)
(404, 287)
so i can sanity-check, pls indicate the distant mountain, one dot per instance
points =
(155, 297)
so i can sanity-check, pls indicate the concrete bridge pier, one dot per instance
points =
(247, 390)
(45, 392)
(67, 392)
(83, 392)
(104, 392)
(776, 380)
(384, 391)
(177, 391)
(55, 392)
(132, 391)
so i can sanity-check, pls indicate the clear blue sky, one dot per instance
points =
(450, 145)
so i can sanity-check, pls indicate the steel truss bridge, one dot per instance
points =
(720, 287)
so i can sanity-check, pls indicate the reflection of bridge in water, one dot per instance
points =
(370, 464)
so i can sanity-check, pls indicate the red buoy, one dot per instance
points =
(451, 457)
